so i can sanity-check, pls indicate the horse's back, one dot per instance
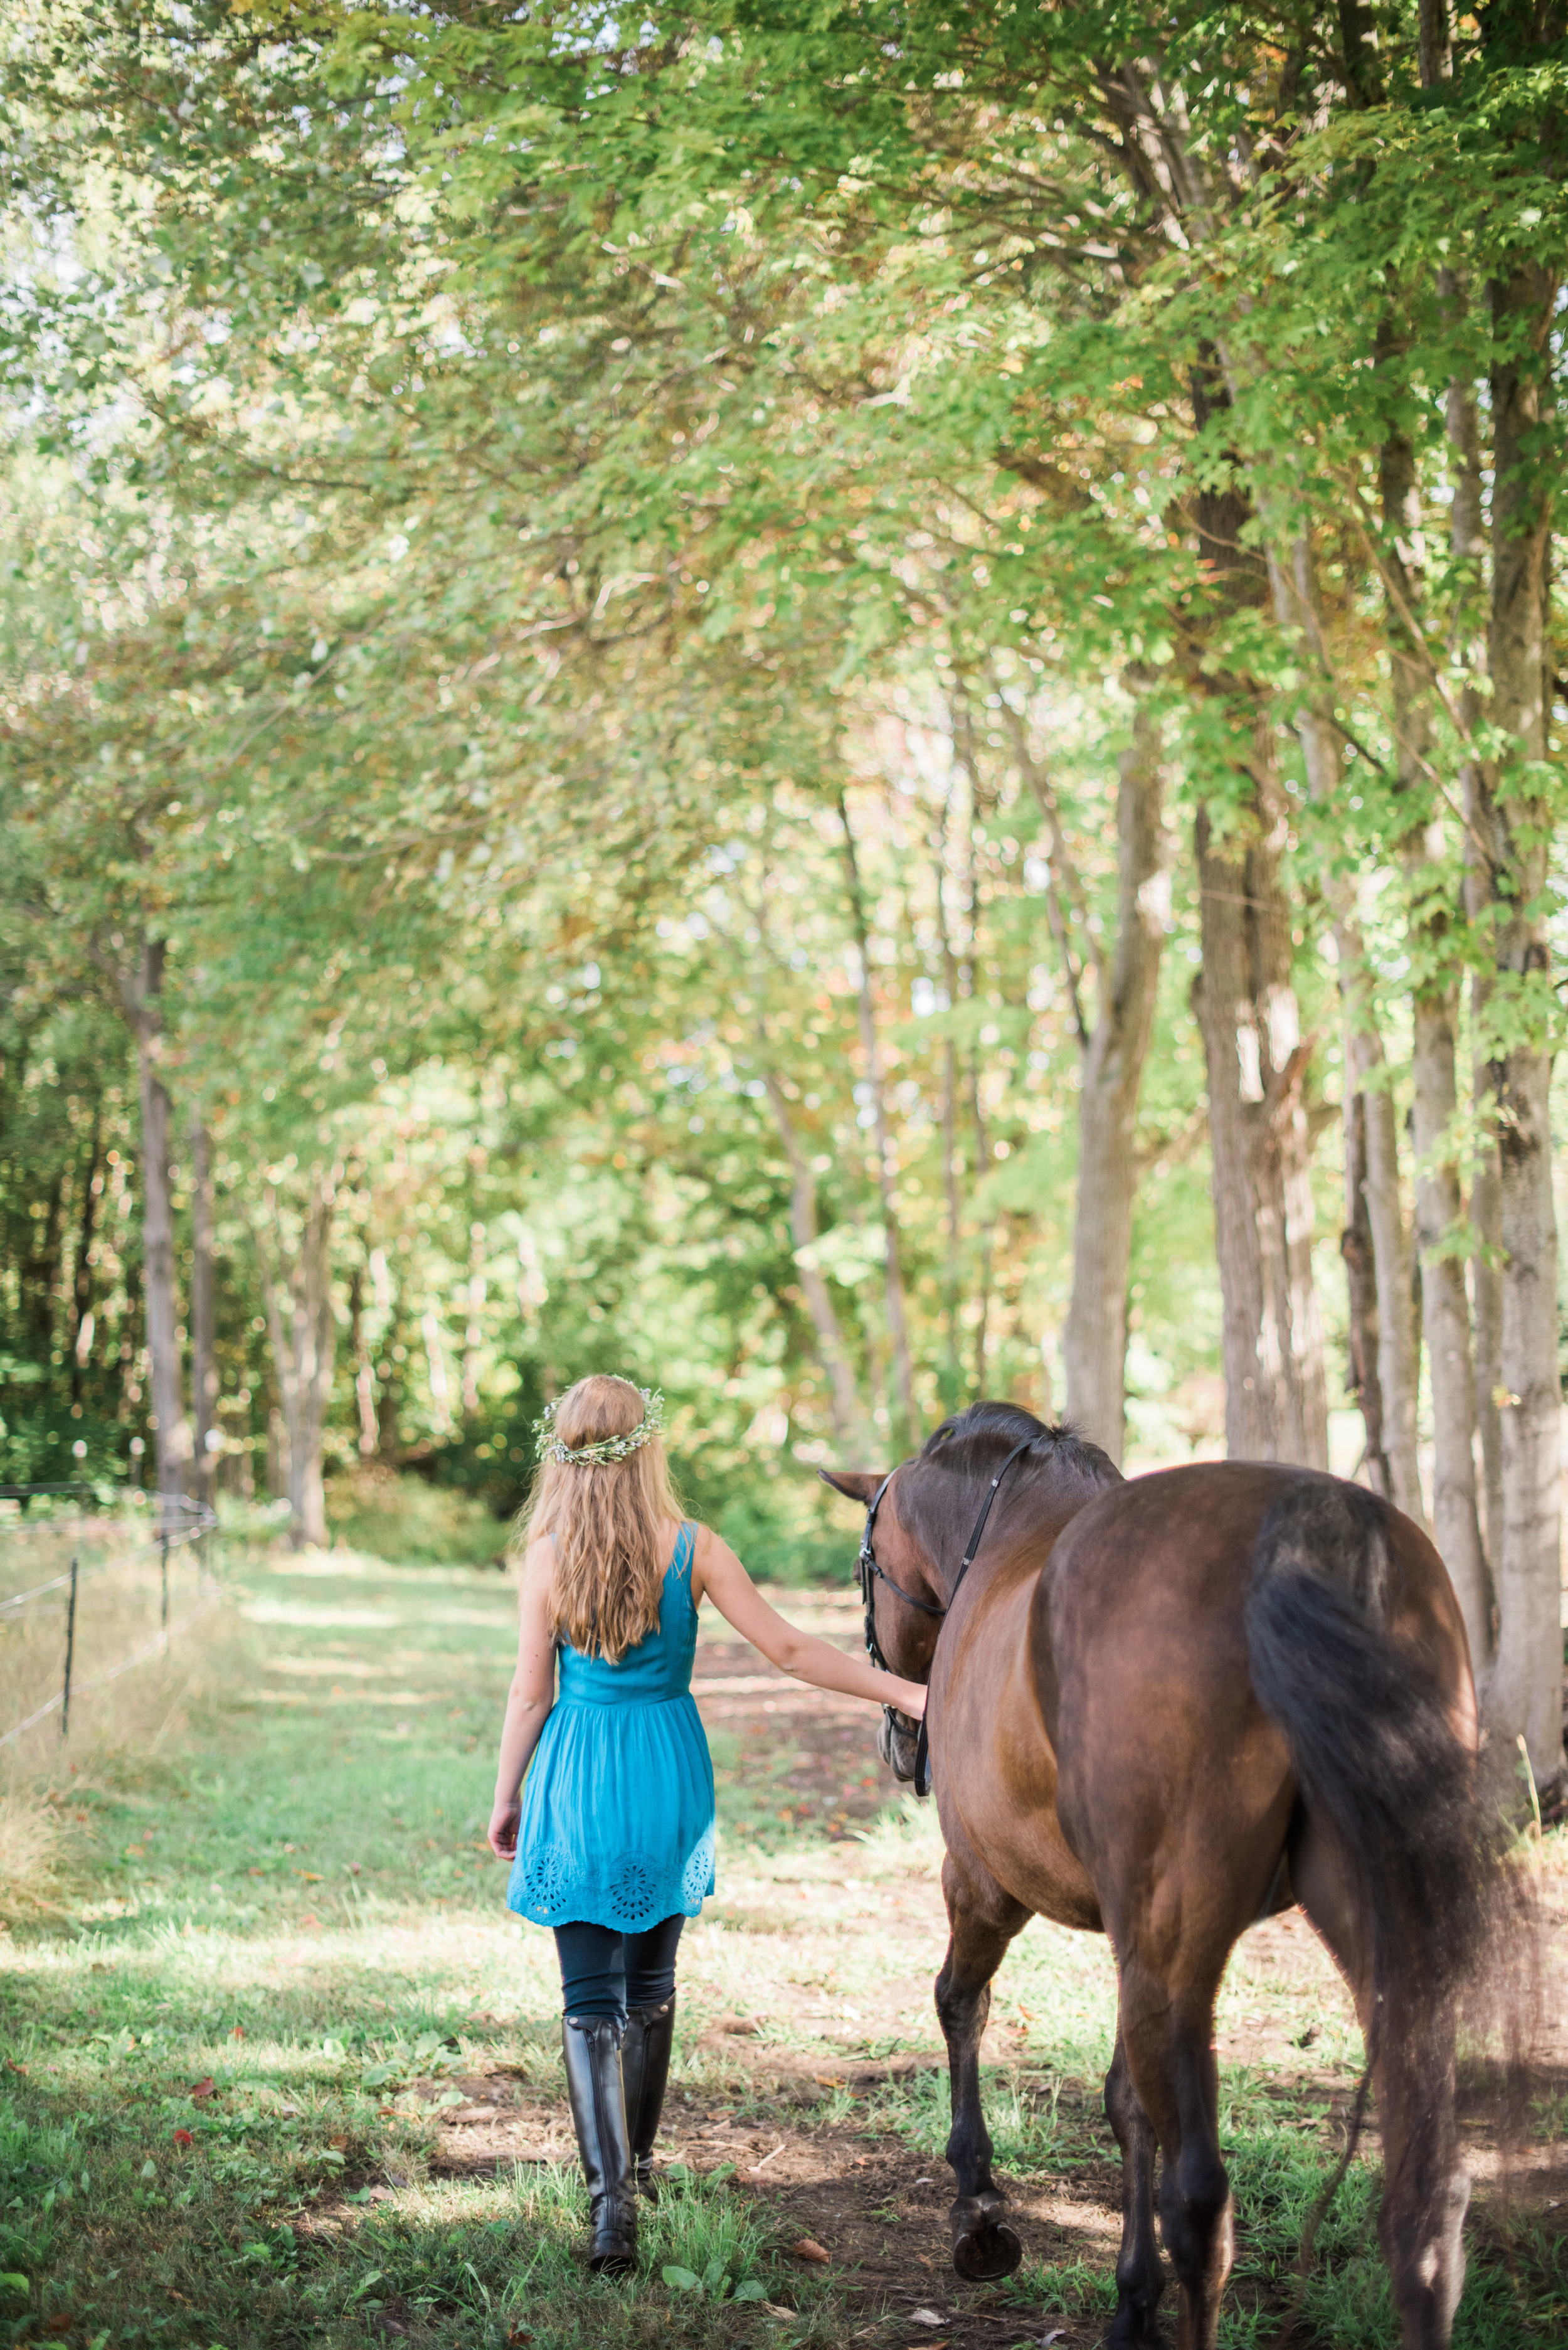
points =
(1170, 1768)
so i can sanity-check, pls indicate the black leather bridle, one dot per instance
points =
(871, 1572)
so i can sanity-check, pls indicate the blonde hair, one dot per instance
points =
(608, 1522)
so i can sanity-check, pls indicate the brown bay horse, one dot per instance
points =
(1161, 1709)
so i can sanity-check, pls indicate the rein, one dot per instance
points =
(871, 1572)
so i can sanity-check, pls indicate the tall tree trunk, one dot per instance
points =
(390, 1390)
(1466, 545)
(1276, 1404)
(203, 1313)
(1439, 1203)
(435, 1365)
(1524, 1696)
(359, 1355)
(1355, 1246)
(81, 1271)
(172, 1447)
(1377, 1246)
(1095, 1340)
(951, 1379)
(852, 1430)
(296, 1288)
(1276, 1400)
(893, 1281)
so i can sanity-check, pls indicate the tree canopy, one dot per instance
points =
(857, 703)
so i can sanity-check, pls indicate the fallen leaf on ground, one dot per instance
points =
(808, 2249)
(341, 2144)
(927, 2317)
(183, 2137)
(200, 2091)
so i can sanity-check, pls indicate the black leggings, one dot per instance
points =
(604, 1972)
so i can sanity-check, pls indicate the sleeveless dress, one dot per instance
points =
(618, 1806)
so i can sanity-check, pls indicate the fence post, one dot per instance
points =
(70, 1653)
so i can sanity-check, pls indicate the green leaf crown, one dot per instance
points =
(605, 1449)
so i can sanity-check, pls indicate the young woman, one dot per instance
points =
(611, 1839)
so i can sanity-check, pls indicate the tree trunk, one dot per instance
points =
(172, 1447)
(1356, 1247)
(1276, 1405)
(1376, 1245)
(81, 1272)
(203, 1313)
(951, 1382)
(1439, 1203)
(1486, 1299)
(1094, 1339)
(1524, 1696)
(297, 1288)
(893, 1282)
(857, 1446)
(359, 1355)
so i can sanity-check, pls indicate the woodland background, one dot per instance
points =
(844, 705)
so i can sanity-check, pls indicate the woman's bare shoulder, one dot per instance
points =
(536, 1567)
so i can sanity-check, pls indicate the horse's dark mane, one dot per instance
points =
(967, 1439)
(976, 1442)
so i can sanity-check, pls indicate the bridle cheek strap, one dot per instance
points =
(870, 1572)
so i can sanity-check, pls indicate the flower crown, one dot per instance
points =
(606, 1448)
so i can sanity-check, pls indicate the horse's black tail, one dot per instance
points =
(1372, 1742)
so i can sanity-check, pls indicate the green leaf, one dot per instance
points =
(682, 2279)
(10, 2282)
(750, 2289)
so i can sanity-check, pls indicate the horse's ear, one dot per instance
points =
(855, 1485)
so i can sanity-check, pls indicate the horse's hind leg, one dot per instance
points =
(1141, 2280)
(1167, 2025)
(984, 1920)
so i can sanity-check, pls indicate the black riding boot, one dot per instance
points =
(645, 2067)
(592, 2052)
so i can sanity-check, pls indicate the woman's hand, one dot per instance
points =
(502, 1832)
(717, 1574)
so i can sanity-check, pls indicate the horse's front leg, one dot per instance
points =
(982, 1921)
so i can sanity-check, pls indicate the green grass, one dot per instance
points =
(293, 1903)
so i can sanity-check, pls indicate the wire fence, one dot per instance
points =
(99, 1572)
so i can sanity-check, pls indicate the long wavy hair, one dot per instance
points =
(608, 1523)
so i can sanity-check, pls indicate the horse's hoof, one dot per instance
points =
(990, 2252)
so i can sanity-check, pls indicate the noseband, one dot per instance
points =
(870, 1572)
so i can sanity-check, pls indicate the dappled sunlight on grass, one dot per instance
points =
(289, 2072)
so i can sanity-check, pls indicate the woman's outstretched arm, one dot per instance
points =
(717, 1574)
(528, 1701)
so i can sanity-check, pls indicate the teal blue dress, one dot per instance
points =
(618, 1806)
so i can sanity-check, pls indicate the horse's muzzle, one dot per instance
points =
(896, 1742)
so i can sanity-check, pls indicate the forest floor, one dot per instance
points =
(279, 2065)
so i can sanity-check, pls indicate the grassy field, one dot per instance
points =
(279, 2066)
